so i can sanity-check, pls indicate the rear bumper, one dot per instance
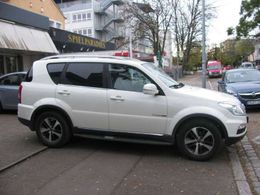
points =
(25, 122)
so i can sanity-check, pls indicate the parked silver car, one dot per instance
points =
(9, 85)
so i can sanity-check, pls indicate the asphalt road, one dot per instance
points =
(101, 167)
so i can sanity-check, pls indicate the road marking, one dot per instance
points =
(210, 85)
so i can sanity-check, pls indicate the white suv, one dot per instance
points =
(120, 99)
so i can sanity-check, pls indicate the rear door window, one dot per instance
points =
(55, 71)
(85, 74)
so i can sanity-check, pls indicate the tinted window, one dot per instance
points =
(127, 78)
(55, 71)
(11, 80)
(85, 74)
(29, 75)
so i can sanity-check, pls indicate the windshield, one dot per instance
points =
(214, 67)
(243, 76)
(160, 74)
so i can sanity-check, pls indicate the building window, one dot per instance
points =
(55, 24)
(74, 18)
(89, 32)
(79, 17)
(85, 31)
(88, 16)
(83, 17)
(58, 25)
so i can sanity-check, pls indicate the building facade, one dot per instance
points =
(24, 38)
(46, 8)
(99, 19)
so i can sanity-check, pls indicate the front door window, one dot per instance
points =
(127, 78)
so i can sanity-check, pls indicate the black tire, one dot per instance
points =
(52, 129)
(199, 139)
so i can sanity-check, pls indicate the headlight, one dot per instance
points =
(231, 92)
(238, 110)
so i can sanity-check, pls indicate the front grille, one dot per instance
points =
(250, 96)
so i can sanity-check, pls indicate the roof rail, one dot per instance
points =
(84, 55)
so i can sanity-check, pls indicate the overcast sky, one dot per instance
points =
(227, 15)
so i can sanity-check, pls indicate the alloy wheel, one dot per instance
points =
(199, 141)
(51, 129)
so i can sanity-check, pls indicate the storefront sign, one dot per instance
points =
(66, 41)
(86, 41)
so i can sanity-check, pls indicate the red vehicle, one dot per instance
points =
(214, 69)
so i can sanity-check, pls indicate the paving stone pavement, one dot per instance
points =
(252, 163)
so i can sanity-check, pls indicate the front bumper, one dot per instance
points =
(232, 140)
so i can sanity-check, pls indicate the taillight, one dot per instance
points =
(20, 93)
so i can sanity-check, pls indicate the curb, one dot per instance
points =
(252, 163)
(2, 169)
(239, 176)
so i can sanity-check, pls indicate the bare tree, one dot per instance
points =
(151, 20)
(186, 25)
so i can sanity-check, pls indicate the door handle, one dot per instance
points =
(117, 98)
(64, 92)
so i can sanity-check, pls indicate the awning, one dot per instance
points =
(17, 37)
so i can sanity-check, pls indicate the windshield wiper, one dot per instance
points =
(177, 86)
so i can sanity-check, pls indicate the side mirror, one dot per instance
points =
(150, 89)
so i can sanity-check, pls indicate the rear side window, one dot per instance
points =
(85, 74)
(55, 71)
(29, 75)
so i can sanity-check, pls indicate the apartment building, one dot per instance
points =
(99, 19)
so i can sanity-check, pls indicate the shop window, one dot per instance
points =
(11, 64)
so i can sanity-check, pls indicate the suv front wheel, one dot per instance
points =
(52, 129)
(199, 139)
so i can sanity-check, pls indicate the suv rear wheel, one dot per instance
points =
(199, 139)
(52, 129)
